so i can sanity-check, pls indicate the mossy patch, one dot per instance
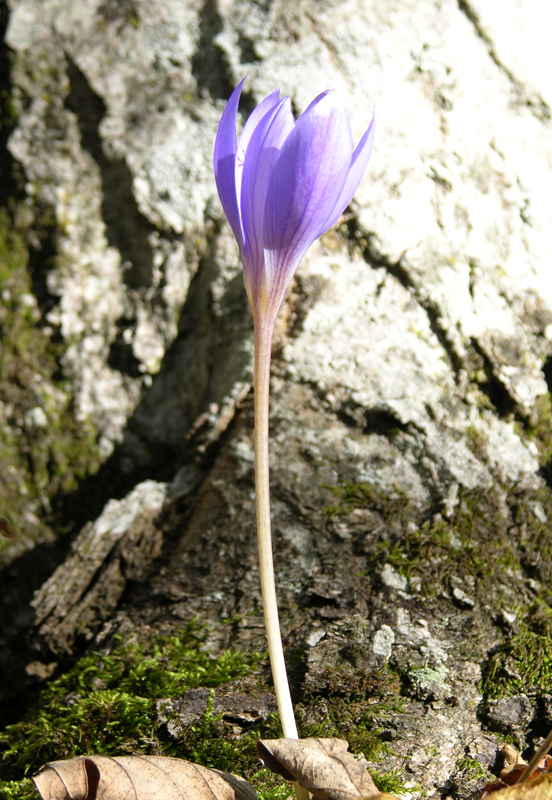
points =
(18, 790)
(472, 768)
(489, 542)
(350, 496)
(356, 715)
(360, 717)
(496, 546)
(473, 546)
(523, 663)
(107, 703)
(392, 782)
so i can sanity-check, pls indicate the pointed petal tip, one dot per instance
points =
(224, 159)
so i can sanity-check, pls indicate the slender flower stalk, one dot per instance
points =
(263, 344)
(283, 185)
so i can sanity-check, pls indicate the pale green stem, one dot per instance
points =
(263, 346)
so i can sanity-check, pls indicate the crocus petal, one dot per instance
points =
(359, 162)
(263, 150)
(283, 184)
(253, 120)
(306, 183)
(225, 163)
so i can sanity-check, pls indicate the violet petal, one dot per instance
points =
(307, 181)
(263, 150)
(359, 162)
(225, 163)
(252, 122)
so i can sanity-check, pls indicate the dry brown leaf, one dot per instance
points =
(323, 766)
(539, 788)
(514, 769)
(511, 756)
(137, 778)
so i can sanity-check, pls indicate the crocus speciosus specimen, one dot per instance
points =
(283, 185)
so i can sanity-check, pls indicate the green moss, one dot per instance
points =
(492, 544)
(360, 722)
(473, 546)
(486, 541)
(106, 704)
(392, 782)
(208, 743)
(472, 768)
(347, 719)
(350, 496)
(510, 738)
(523, 663)
(18, 790)
(269, 787)
(356, 716)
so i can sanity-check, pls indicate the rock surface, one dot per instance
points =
(410, 411)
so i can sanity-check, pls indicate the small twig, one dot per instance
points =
(541, 752)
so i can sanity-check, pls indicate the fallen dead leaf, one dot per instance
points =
(514, 768)
(137, 778)
(538, 788)
(511, 756)
(323, 766)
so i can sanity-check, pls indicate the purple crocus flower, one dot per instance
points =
(283, 185)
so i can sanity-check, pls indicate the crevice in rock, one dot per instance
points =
(247, 50)
(187, 385)
(492, 386)
(126, 228)
(539, 108)
(11, 182)
(382, 420)
(397, 271)
(547, 372)
(371, 420)
(210, 65)
(121, 356)
(156, 439)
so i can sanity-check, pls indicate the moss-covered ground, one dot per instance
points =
(106, 703)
